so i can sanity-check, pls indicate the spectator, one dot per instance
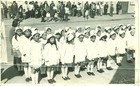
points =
(10, 12)
(62, 12)
(118, 8)
(74, 7)
(43, 12)
(52, 11)
(67, 12)
(5, 9)
(92, 10)
(86, 9)
(20, 12)
(101, 8)
(46, 6)
(26, 9)
(79, 8)
(31, 10)
(111, 10)
(69, 6)
(105, 8)
(98, 8)
(14, 8)
(36, 6)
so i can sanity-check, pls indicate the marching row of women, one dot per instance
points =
(43, 51)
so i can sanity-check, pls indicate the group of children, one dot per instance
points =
(47, 51)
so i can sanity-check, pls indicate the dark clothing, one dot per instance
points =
(118, 8)
(74, 11)
(92, 10)
(111, 10)
(86, 7)
(62, 12)
(105, 9)
(14, 9)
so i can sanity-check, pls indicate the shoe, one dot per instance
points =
(27, 79)
(79, 76)
(119, 64)
(129, 61)
(67, 78)
(64, 78)
(50, 81)
(109, 68)
(88, 73)
(100, 71)
(53, 80)
(92, 74)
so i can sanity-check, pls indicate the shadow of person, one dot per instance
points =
(8, 74)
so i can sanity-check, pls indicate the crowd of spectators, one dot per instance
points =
(60, 10)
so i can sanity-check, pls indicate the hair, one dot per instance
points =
(105, 37)
(93, 36)
(17, 34)
(48, 41)
(59, 34)
(15, 22)
(34, 35)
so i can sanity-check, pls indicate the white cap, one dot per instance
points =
(123, 27)
(26, 28)
(128, 25)
(47, 28)
(49, 35)
(18, 28)
(107, 28)
(133, 27)
(92, 32)
(78, 27)
(70, 36)
(67, 28)
(121, 31)
(41, 32)
(56, 31)
(87, 27)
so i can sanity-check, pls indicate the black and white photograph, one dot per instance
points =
(69, 42)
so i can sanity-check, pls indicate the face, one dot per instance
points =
(79, 30)
(87, 34)
(52, 40)
(81, 38)
(113, 36)
(122, 35)
(36, 37)
(27, 33)
(44, 35)
(99, 33)
(49, 31)
(93, 39)
(132, 33)
(19, 32)
(109, 30)
(57, 36)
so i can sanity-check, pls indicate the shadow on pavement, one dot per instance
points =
(9, 73)
(125, 74)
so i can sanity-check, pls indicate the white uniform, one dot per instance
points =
(80, 51)
(25, 49)
(121, 45)
(102, 48)
(68, 53)
(51, 55)
(16, 44)
(132, 42)
(111, 44)
(92, 50)
(36, 54)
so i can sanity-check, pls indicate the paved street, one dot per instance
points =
(123, 74)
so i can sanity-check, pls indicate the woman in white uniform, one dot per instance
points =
(36, 57)
(67, 56)
(25, 51)
(16, 41)
(80, 53)
(131, 46)
(43, 40)
(91, 54)
(51, 57)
